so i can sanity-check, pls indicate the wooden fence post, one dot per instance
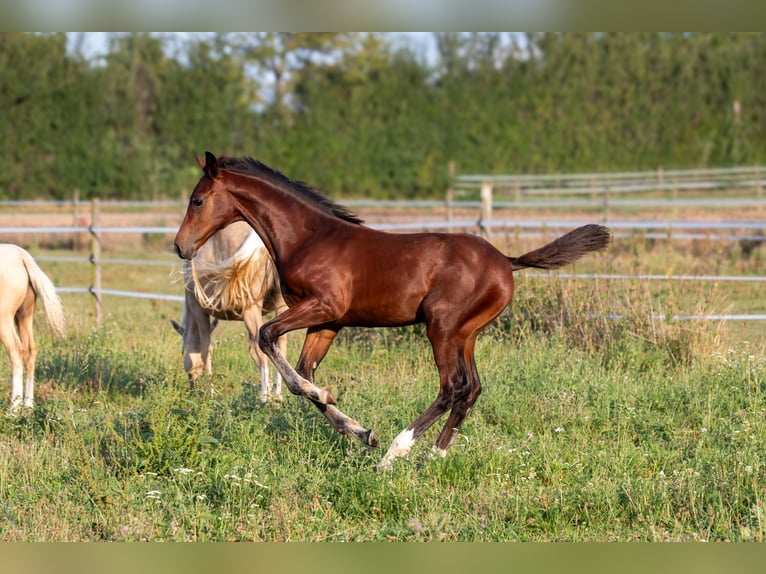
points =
(95, 258)
(77, 241)
(486, 209)
(450, 189)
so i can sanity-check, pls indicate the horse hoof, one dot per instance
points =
(372, 438)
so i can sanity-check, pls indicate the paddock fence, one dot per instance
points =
(666, 191)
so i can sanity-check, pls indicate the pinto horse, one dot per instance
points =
(21, 283)
(232, 278)
(336, 272)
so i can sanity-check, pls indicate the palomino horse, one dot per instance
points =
(21, 282)
(231, 277)
(335, 272)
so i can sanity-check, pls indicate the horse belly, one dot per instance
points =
(376, 318)
(389, 305)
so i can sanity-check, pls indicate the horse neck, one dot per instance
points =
(284, 221)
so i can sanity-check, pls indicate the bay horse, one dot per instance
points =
(21, 283)
(231, 278)
(336, 272)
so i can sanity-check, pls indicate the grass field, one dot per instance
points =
(587, 429)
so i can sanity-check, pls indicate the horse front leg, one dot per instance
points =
(315, 347)
(303, 315)
(253, 319)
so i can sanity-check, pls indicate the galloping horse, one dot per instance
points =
(21, 282)
(336, 272)
(232, 277)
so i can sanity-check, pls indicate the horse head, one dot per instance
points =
(210, 208)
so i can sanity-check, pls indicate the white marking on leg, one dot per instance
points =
(436, 451)
(29, 394)
(400, 447)
(264, 380)
(17, 390)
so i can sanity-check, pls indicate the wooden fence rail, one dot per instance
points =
(528, 191)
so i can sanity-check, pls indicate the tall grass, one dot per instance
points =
(587, 429)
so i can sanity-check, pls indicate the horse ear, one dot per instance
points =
(211, 165)
(200, 162)
(179, 329)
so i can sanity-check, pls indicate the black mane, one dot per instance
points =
(250, 166)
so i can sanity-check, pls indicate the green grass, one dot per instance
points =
(586, 430)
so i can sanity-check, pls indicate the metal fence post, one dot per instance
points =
(486, 209)
(95, 258)
(450, 189)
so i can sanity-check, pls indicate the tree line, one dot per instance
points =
(361, 115)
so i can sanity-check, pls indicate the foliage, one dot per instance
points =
(357, 115)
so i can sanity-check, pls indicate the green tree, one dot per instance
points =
(42, 114)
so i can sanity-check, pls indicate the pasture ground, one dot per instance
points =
(587, 429)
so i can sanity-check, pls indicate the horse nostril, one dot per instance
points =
(177, 249)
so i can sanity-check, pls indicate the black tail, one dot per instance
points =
(566, 249)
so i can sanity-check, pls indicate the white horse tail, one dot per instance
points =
(46, 291)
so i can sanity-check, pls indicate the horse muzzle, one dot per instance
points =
(186, 253)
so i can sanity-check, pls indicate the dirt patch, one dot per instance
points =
(80, 238)
(79, 219)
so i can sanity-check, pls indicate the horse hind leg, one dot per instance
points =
(24, 320)
(12, 345)
(453, 386)
(462, 404)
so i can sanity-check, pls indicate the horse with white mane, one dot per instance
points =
(232, 277)
(21, 283)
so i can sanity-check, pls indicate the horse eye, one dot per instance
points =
(196, 202)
